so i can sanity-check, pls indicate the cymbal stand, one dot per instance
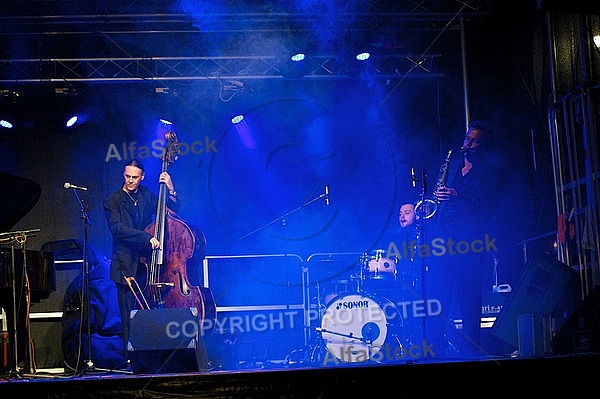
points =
(86, 305)
(20, 237)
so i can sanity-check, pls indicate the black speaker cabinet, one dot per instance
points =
(548, 288)
(581, 332)
(166, 341)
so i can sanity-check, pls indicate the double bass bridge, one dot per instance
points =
(161, 285)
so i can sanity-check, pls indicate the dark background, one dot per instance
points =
(359, 135)
(257, 195)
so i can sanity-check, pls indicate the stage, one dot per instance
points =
(291, 350)
(475, 378)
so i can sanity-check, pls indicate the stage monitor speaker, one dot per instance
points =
(548, 287)
(581, 332)
(166, 341)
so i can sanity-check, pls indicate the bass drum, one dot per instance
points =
(356, 328)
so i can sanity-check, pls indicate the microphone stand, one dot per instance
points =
(86, 306)
(324, 195)
(421, 217)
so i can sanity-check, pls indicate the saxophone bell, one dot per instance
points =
(426, 208)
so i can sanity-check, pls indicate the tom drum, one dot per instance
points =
(377, 266)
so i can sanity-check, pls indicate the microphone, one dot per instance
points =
(412, 175)
(326, 195)
(74, 187)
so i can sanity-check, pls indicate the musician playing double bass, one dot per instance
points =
(129, 210)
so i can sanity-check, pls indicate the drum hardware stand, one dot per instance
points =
(366, 341)
(312, 345)
(20, 237)
(282, 217)
(323, 330)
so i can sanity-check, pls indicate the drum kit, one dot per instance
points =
(360, 317)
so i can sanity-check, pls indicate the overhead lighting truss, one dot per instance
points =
(109, 26)
(202, 68)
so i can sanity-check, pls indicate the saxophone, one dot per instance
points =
(430, 206)
(443, 175)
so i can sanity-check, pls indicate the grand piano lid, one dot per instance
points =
(19, 196)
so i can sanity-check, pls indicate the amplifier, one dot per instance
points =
(166, 341)
(491, 306)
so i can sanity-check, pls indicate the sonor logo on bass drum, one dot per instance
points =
(352, 305)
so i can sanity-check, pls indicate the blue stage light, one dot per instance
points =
(72, 121)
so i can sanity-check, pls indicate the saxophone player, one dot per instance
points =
(467, 202)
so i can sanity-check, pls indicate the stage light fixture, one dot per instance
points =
(237, 119)
(295, 66)
(79, 118)
(72, 121)
(66, 91)
(9, 96)
(298, 57)
(5, 124)
(357, 65)
(164, 90)
(363, 56)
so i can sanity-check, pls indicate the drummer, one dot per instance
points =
(407, 219)
(406, 235)
(397, 247)
(406, 215)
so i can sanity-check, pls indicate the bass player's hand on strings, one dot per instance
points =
(166, 179)
(154, 243)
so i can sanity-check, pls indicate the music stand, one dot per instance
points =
(20, 237)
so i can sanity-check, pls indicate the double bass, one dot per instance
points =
(166, 281)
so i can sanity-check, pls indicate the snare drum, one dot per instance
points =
(356, 328)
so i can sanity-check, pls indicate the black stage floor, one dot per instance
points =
(571, 375)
